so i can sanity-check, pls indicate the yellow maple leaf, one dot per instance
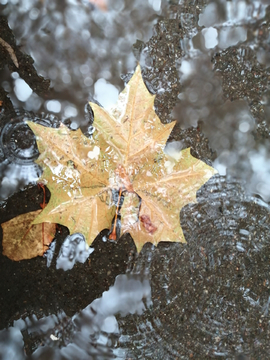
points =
(126, 154)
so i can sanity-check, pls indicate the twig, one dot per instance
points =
(10, 51)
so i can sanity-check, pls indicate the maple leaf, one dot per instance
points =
(22, 240)
(126, 154)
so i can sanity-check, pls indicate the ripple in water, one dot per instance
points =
(18, 150)
(210, 296)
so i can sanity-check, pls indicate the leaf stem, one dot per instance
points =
(112, 235)
(42, 205)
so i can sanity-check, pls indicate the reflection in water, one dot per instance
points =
(225, 88)
(11, 344)
(74, 249)
(90, 334)
(211, 297)
(79, 47)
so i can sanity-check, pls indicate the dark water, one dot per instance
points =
(208, 62)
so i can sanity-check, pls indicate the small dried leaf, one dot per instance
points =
(22, 240)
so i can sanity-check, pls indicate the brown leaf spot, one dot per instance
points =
(147, 224)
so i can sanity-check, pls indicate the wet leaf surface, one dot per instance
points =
(127, 154)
